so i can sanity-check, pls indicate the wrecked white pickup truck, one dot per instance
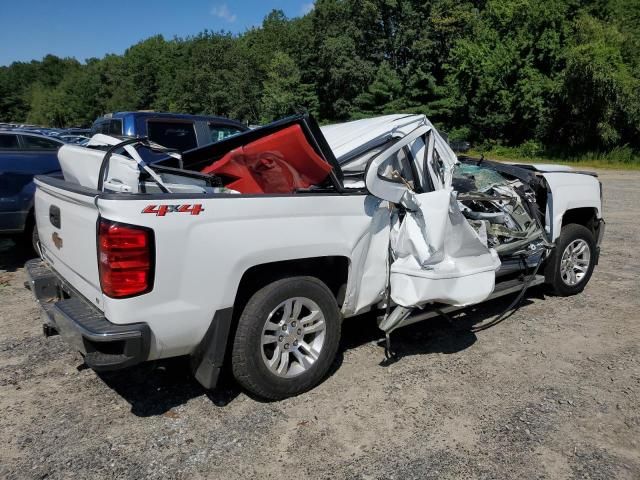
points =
(252, 250)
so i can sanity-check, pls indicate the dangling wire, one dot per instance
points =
(515, 305)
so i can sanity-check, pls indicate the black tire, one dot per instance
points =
(569, 234)
(247, 362)
(27, 241)
(32, 237)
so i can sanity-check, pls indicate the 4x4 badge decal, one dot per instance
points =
(162, 210)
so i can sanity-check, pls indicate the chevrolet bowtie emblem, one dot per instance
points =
(57, 240)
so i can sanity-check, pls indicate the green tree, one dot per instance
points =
(384, 95)
(507, 69)
(283, 91)
(599, 102)
(561, 73)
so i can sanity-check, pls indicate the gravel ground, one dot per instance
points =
(552, 392)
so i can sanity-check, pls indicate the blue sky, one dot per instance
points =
(29, 29)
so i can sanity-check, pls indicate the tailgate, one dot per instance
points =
(66, 220)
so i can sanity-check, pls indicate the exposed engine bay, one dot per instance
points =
(506, 211)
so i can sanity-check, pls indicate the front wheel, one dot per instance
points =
(287, 338)
(571, 264)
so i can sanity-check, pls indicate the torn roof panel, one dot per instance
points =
(347, 139)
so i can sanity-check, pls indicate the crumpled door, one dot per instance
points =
(437, 255)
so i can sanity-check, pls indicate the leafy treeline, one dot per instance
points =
(552, 73)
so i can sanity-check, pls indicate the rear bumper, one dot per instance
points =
(105, 345)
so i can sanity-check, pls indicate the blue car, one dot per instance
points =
(180, 131)
(22, 156)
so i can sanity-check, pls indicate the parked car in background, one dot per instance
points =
(85, 132)
(44, 131)
(22, 156)
(75, 139)
(172, 130)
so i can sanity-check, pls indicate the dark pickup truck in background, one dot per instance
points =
(180, 131)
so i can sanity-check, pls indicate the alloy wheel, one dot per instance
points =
(293, 336)
(574, 263)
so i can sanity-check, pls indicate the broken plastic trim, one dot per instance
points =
(129, 143)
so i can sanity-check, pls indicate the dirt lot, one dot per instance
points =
(552, 392)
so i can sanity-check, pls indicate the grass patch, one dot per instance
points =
(622, 158)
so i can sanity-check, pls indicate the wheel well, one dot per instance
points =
(332, 270)
(31, 217)
(585, 216)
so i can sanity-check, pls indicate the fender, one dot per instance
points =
(568, 191)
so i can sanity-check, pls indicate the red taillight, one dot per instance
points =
(125, 259)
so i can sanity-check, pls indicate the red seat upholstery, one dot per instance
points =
(278, 163)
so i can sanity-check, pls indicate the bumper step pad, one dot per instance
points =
(105, 345)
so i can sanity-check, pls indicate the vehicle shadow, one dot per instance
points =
(449, 334)
(155, 388)
(13, 256)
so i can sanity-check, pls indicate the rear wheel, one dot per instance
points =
(287, 338)
(32, 238)
(27, 241)
(572, 261)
